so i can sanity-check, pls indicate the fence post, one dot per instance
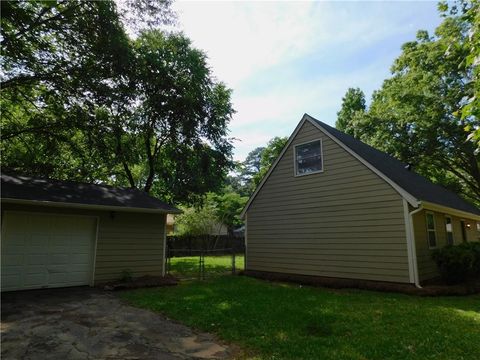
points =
(233, 261)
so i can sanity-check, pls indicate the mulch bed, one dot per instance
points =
(141, 282)
(437, 289)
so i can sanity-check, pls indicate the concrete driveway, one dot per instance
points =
(84, 323)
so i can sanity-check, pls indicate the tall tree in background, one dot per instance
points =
(353, 104)
(415, 115)
(269, 155)
(83, 101)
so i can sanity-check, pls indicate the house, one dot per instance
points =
(61, 233)
(215, 229)
(334, 207)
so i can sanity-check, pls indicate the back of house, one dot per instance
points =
(334, 207)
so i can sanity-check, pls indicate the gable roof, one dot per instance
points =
(413, 187)
(24, 189)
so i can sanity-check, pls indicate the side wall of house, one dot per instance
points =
(426, 266)
(345, 222)
(126, 240)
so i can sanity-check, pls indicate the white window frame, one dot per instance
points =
(295, 173)
(446, 231)
(434, 230)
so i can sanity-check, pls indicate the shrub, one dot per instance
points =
(458, 263)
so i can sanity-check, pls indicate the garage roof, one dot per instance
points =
(24, 189)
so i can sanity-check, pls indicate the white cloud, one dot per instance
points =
(245, 40)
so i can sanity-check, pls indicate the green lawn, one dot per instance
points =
(188, 267)
(279, 321)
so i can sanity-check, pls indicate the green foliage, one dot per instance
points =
(268, 156)
(228, 206)
(458, 263)
(352, 102)
(414, 116)
(469, 13)
(216, 210)
(197, 221)
(83, 101)
(281, 321)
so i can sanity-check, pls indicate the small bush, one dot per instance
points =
(458, 263)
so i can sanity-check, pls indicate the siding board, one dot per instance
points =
(345, 222)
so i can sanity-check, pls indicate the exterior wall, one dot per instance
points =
(345, 222)
(126, 240)
(427, 268)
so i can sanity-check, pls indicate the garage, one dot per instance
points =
(44, 251)
(58, 233)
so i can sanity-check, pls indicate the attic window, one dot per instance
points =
(308, 158)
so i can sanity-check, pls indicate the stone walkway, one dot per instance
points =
(84, 323)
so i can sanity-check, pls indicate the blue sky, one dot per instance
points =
(284, 59)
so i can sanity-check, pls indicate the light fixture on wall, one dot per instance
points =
(112, 215)
(468, 226)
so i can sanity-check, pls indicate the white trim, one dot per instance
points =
(95, 252)
(295, 168)
(164, 244)
(449, 211)
(290, 139)
(413, 243)
(410, 242)
(97, 218)
(87, 206)
(407, 196)
(430, 230)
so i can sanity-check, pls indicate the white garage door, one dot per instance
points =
(40, 251)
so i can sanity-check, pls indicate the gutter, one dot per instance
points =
(413, 244)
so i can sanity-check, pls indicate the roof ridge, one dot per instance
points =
(399, 178)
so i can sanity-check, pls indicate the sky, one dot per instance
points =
(284, 59)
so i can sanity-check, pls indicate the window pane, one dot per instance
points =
(308, 158)
(432, 239)
(430, 222)
(308, 150)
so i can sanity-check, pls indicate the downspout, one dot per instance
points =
(413, 245)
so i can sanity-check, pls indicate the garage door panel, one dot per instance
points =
(40, 250)
(35, 280)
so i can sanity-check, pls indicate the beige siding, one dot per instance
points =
(426, 267)
(345, 222)
(126, 241)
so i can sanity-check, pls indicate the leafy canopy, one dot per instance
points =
(84, 101)
(416, 114)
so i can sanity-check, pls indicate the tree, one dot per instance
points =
(352, 103)
(469, 12)
(415, 117)
(269, 155)
(196, 221)
(228, 206)
(88, 103)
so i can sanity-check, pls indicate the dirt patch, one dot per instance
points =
(141, 282)
(85, 323)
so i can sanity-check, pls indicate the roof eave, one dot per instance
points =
(449, 210)
(89, 206)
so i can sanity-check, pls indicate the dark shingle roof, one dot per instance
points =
(38, 189)
(414, 184)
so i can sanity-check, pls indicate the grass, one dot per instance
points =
(188, 267)
(279, 321)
